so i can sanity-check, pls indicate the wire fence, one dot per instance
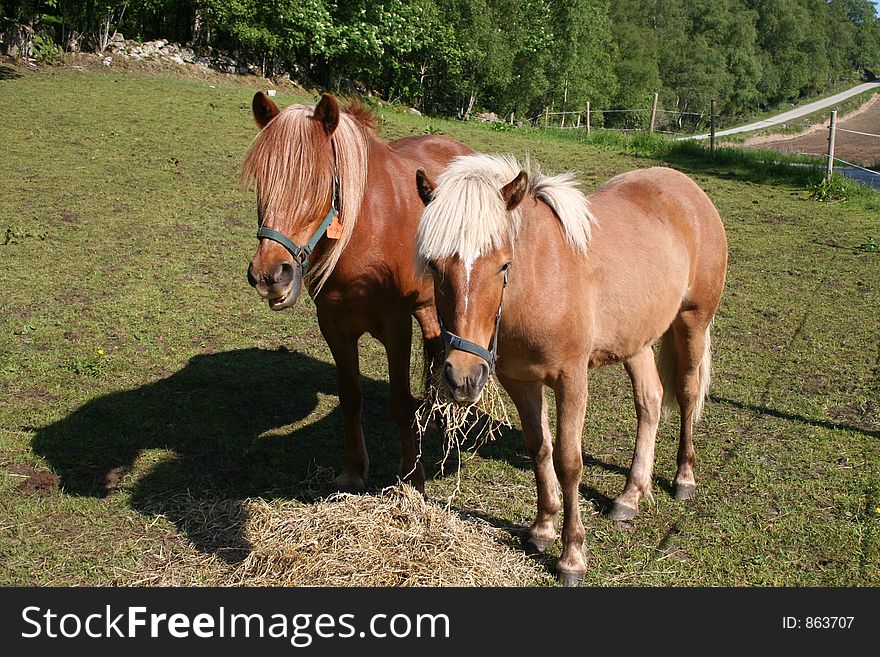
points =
(619, 119)
(833, 129)
(856, 132)
(674, 122)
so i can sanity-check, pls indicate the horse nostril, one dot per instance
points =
(447, 374)
(284, 274)
(250, 275)
(483, 376)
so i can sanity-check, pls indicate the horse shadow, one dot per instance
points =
(219, 429)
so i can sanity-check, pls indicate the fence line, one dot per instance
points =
(856, 132)
(837, 159)
(543, 120)
(856, 166)
(679, 113)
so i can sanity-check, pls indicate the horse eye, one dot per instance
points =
(505, 267)
(430, 265)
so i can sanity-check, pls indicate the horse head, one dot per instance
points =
(293, 164)
(470, 276)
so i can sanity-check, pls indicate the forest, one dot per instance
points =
(454, 57)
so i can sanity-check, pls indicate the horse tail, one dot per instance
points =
(668, 368)
(705, 375)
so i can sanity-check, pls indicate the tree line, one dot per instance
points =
(519, 56)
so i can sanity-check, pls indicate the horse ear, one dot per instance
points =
(425, 186)
(264, 109)
(515, 191)
(327, 112)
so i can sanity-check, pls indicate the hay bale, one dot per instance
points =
(396, 538)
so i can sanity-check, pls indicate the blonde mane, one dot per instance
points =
(290, 163)
(467, 216)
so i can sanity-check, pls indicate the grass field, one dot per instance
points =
(140, 372)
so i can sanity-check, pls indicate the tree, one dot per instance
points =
(582, 66)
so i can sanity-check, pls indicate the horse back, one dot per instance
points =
(659, 248)
(433, 152)
(666, 206)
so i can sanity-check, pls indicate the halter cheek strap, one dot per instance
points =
(458, 343)
(300, 253)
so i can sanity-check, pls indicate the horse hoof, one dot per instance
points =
(570, 579)
(415, 479)
(622, 512)
(685, 491)
(541, 544)
(347, 484)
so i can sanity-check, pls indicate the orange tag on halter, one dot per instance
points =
(334, 230)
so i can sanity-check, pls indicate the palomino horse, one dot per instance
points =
(591, 282)
(335, 215)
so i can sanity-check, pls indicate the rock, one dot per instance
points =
(413, 111)
(107, 61)
(487, 117)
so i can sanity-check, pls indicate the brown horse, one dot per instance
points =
(591, 282)
(334, 215)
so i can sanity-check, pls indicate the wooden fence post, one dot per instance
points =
(654, 111)
(832, 132)
(546, 116)
(588, 117)
(578, 121)
(712, 130)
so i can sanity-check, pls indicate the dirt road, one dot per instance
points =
(856, 148)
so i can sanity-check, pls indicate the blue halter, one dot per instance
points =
(300, 253)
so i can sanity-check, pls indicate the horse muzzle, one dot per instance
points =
(280, 286)
(466, 375)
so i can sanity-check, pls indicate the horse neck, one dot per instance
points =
(544, 266)
(377, 221)
(390, 204)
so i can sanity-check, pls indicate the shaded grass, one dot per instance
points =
(129, 235)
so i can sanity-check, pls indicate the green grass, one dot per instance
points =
(138, 366)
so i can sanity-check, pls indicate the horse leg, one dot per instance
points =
(397, 337)
(648, 397)
(355, 462)
(692, 351)
(531, 403)
(571, 407)
(434, 349)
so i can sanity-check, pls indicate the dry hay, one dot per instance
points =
(396, 538)
(468, 425)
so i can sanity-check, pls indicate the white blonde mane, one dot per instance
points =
(291, 168)
(467, 216)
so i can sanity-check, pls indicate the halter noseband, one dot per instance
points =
(460, 344)
(301, 253)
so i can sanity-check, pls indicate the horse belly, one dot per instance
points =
(636, 304)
